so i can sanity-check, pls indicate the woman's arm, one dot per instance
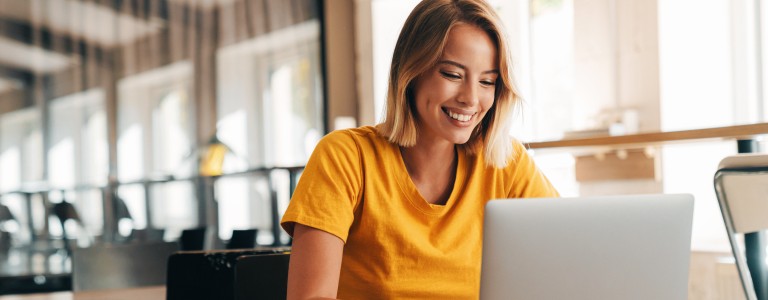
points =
(315, 264)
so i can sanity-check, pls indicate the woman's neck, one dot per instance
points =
(432, 169)
(428, 159)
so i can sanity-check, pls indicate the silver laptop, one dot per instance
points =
(615, 247)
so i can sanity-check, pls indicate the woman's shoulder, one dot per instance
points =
(361, 138)
(364, 134)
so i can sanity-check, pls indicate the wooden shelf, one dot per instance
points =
(643, 139)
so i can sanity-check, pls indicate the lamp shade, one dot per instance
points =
(212, 161)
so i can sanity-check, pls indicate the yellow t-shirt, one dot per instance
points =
(398, 246)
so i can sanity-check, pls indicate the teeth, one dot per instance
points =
(460, 117)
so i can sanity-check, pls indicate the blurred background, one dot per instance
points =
(127, 120)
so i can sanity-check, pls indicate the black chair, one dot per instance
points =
(192, 239)
(740, 183)
(6, 215)
(6, 238)
(65, 211)
(243, 239)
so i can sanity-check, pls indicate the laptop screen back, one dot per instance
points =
(617, 247)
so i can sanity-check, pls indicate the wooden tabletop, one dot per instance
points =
(144, 293)
(729, 132)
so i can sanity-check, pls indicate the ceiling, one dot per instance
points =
(39, 37)
(44, 37)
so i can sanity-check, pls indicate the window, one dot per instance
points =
(21, 147)
(78, 154)
(597, 64)
(156, 140)
(270, 111)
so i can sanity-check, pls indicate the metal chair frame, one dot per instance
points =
(741, 262)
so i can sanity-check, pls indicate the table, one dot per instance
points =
(746, 143)
(144, 293)
(737, 132)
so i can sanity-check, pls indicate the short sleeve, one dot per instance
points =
(527, 180)
(329, 188)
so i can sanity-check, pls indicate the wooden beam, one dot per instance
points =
(25, 77)
(141, 8)
(14, 99)
(23, 32)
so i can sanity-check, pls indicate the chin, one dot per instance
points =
(461, 139)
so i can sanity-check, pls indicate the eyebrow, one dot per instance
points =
(458, 65)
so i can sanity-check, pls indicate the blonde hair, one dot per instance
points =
(418, 49)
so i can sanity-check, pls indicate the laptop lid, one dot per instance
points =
(614, 247)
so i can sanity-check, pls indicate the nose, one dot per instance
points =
(468, 94)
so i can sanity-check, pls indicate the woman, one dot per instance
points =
(396, 211)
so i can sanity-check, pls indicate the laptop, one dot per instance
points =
(615, 247)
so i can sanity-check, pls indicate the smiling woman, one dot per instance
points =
(395, 211)
(454, 96)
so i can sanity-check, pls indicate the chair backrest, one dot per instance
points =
(243, 239)
(65, 211)
(6, 214)
(121, 266)
(192, 239)
(5, 236)
(740, 185)
(147, 235)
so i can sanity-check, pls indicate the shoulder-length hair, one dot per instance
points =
(419, 48)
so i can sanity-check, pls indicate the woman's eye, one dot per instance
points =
(450, 75)
(487, 83)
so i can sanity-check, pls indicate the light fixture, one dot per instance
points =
(212, 157)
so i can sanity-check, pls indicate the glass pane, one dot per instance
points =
(155, 123)
(91, 209)
(270, 97)
(700, 52)
(95, 150)
(174, 207)
(18, 226)
(171, 131)
(551, 43)
(78, 153)
(134, 197)
(20, 149)
(293, 118)
(10, 168)
(244, 203)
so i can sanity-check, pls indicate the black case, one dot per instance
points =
(262, 277)
(205, 275)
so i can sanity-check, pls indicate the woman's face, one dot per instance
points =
(453, 96)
